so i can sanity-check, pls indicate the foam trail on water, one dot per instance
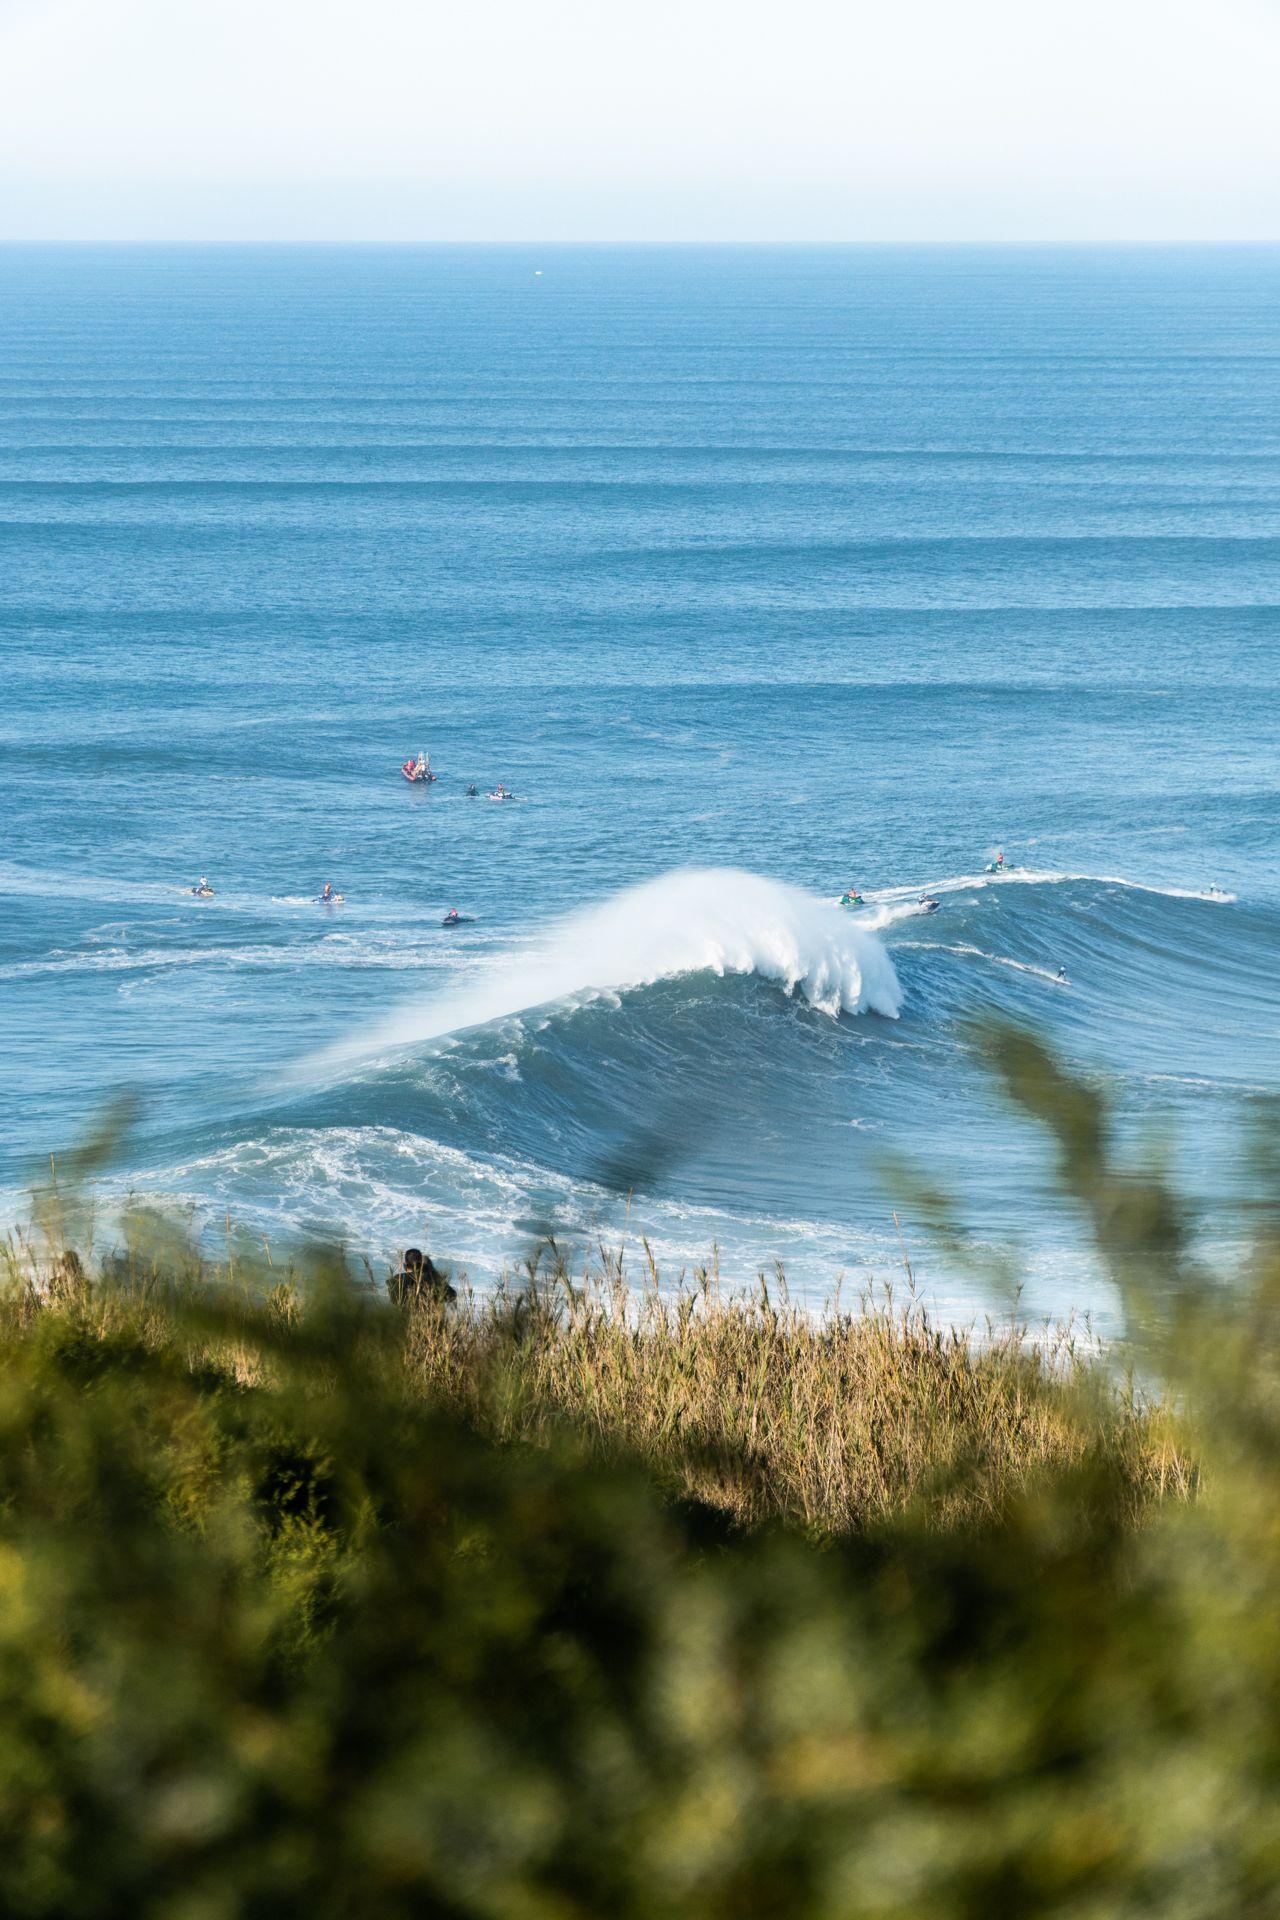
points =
(1037, 877)
(967, 952)
(887, 914)
(696, 920)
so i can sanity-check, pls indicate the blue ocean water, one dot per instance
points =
(796, 567)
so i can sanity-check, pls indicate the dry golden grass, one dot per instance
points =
(770, 1412)
(756, 1406)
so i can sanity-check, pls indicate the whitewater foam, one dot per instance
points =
(383, 951)
(696, 920)
(1033, 877)
(487, 1212)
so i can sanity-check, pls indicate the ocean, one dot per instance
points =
(758, 574)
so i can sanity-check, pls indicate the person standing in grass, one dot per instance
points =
(418, 1278)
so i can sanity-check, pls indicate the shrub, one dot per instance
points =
(309, 1605)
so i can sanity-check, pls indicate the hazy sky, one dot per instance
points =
(616, 119)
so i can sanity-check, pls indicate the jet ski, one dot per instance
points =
(417, 779)
(929, 906)
(456, 920)
(500, 793)
(202, 893)
(852, 900)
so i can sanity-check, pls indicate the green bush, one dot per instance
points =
(293, 1622)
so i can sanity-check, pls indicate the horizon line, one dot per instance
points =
(284, 240)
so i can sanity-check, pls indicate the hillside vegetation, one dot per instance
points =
(577, 1601)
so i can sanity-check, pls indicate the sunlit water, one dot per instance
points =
(799, 568)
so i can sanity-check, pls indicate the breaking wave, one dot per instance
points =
(698, 920)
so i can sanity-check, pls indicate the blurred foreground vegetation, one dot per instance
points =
(571, 1605)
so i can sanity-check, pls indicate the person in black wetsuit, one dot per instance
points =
(418, 1279)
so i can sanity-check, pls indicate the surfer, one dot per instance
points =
(473, 791)
(1062, 975)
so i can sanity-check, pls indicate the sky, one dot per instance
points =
(552, 120)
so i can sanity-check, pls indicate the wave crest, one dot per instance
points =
(695, 920)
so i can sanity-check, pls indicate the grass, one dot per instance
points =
(770, 1413)
(747, 1404)
(580, 1602)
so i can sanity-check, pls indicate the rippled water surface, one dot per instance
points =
(799, 568)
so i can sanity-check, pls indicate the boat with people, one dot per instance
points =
(418, 772)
